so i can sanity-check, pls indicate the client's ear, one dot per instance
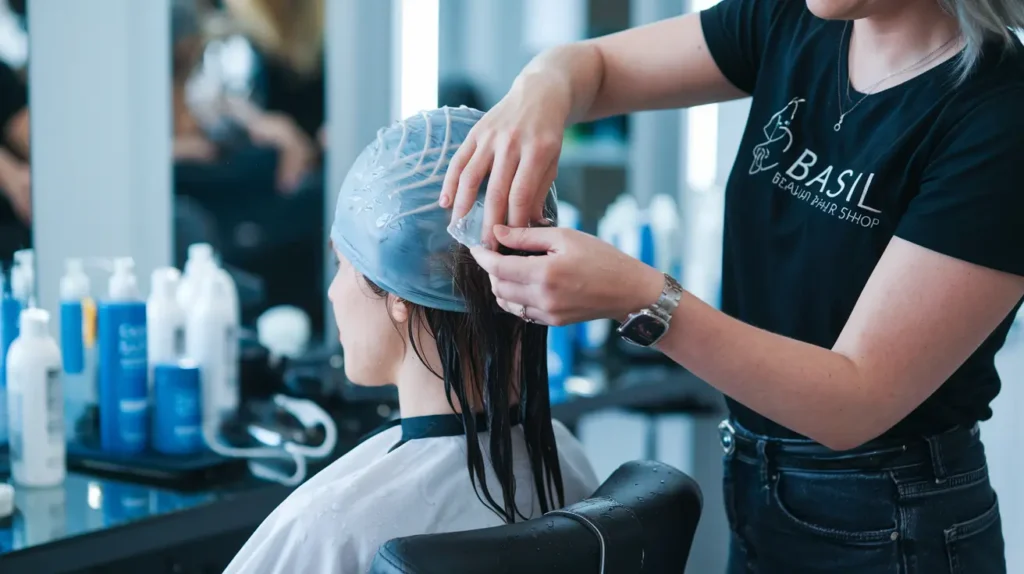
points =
(399, 310)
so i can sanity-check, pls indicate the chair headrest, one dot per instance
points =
(644, 516)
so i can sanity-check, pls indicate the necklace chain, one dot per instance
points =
(927, 59)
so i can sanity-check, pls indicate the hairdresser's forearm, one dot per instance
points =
(571, 73)
(662, 65)
(811, 390)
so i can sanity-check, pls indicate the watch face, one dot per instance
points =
(643, 329)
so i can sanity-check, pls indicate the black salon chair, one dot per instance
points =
(641, 520)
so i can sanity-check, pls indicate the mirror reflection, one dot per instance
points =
(248, 105)
(15, 176)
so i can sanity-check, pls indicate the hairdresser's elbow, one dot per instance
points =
(843, 433)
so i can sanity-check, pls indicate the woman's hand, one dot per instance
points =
(581, 277)
(517, 144)
(16, 185)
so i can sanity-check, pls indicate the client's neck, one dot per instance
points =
(421, 392)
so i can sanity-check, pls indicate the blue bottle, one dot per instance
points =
(74, 291)
(78, 353)
(123, 390)
(177, 408)
(10, 312)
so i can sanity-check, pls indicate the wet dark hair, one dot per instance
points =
(496, 358)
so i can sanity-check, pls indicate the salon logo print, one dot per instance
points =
(834, 191)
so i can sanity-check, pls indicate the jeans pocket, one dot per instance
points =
(842, 507)
(976, 546)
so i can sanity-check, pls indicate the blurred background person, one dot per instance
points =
(15, 176)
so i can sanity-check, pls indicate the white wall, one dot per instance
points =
(1002, 438)
(101, 134)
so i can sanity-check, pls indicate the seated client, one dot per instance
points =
(476, 446)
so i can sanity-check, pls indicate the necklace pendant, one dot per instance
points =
(838, 126)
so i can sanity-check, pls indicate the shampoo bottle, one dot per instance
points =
(78, 351)
(10, 311)
(23, 277)
(123, 389)
(36, 404)
(165, 321)
(211, 341)
(200, 261)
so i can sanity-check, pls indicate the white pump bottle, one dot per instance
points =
(211, 340)
(36, 404)
(200, 260)
(165, 321)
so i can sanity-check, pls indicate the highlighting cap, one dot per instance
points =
(388, 222)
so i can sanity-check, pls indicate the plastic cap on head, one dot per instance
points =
(198, 251)
(74, 266)
(35, 322)
(165, 281)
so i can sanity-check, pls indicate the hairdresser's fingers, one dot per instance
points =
(525, 312)
(506, 160)
(534, 239)
(517, 295)
(471, 179)
(508, 267)
(528, 188)
(449, 191)
(538, 214)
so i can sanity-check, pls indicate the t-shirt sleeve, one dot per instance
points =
(736, 32)
(971, 201)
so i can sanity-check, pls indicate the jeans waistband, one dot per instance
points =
(804, 454)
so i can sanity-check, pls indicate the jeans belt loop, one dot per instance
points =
(727, 436)
(936, 457)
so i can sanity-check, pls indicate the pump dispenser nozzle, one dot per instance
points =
(123, 286)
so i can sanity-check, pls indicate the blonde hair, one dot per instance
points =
(981, 20)
(290, 30)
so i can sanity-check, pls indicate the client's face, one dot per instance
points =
(374, 348)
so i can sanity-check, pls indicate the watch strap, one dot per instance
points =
(668, 300)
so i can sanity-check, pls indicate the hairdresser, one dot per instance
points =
(873, 259)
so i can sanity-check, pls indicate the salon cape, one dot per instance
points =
(394, 484)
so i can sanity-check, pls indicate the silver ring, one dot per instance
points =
(522, 314)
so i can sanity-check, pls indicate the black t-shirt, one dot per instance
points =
(13, 96)
(809, 210)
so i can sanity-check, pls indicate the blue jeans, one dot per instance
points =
(920, 506)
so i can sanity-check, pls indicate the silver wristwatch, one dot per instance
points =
(647, 326)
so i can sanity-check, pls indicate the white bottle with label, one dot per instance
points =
(211, 340)
(165, 321)
(36, 404)
(200, 261)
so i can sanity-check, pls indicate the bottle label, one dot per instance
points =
(16, 430)
(54, 406)
(179, 341)
(133, 420)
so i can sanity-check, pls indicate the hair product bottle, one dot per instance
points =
(36, 404)
(10, 311)
(211, 340)
(165, 321)
(123, 389)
